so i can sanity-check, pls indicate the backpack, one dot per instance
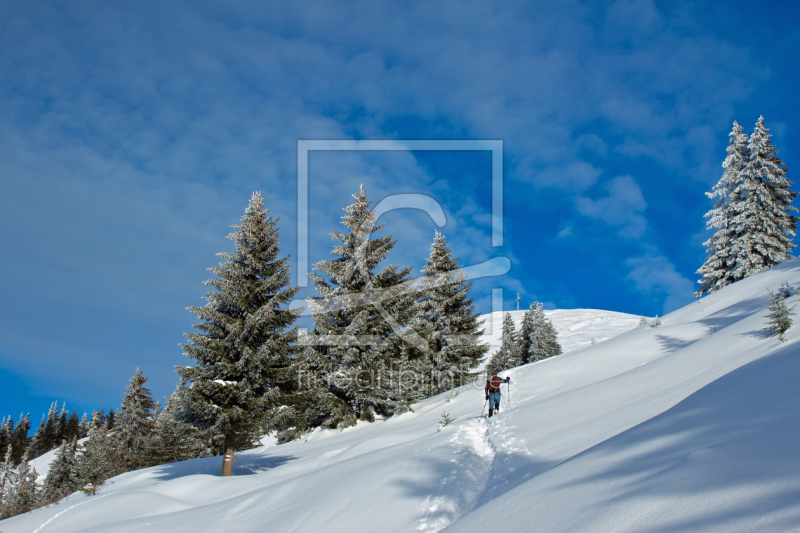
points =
(494, 383)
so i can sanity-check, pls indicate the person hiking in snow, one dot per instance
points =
(492, 390)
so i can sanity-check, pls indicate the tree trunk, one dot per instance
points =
(230, 448)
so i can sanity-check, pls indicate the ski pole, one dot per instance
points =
(484, 406)
(508, 390)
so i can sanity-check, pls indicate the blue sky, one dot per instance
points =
(132, 135)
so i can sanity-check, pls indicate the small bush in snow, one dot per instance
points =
(446, 419)
(656, 322)
(780, 316)
(642, 321)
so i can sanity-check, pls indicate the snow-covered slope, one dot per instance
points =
(690, 426)
(576, 327)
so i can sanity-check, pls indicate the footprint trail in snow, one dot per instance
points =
(459, 492)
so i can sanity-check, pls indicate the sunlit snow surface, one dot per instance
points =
(692, 426)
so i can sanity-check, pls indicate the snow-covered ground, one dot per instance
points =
(576, 327)
(690, 426)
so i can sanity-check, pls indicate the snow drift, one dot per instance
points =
(689, 426)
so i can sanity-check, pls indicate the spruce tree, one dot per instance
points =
(453, 327)
(84, 427)
(172, 440)
(246, 341)
(758, 218)
(73, 426)
(551, 338)
(780, 315)
(134, 422)
(6, 477)
(61, 432)
(534, 343)
(507, 355)
(5, 433)
(717, 271)
(98, 460)
(527, 335)
(21, 497)
(355, 346)
(20, 440)
(63, 477)
(37, 447)
(51, 428)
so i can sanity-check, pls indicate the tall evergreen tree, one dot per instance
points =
(357, 318)
(172, 440)
(533, 340)
(507, 356)
(6, 427)
(551, 338)
(717, 271)
(110, 419)
(61, 432)
(244, 349)
(756, 226)
(84, 427)
(765, 231)
(134, 421)
(6, 476)
(63, 477)
(526, 336)
(98, 460)
(454, 328)
(21, 497)
(20, 440)
(73, 426)
(37, 447)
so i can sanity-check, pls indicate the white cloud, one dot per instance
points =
(621, 208)
(654, 275)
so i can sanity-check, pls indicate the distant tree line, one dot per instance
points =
(536, 340)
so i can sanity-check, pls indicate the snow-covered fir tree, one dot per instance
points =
(98, 461)
(6, 478)
(355, 348)
(507, 356)
(63, 477)
(532, 340)
(446, 317)
(529, 336)
(551, 338)
(779, 315)
(19, 439)
(753, 217)
(5, 433)
(37, 446)
(538, 338)
(717, 271)
(173, 440)
(134, 422)
(21, 496)
(84, 426)
(246, 341)
(110, 420)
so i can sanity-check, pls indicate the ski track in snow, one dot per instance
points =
(474, 455)
(68, 508)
